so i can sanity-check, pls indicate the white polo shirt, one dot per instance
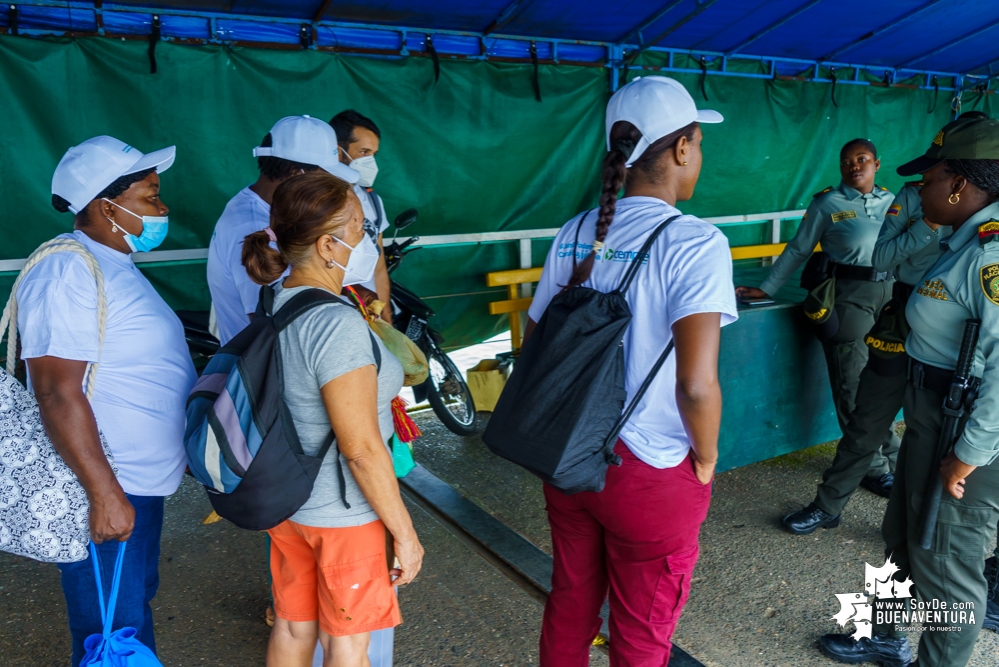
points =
(689, 271)
(145, 371)
(234, 295)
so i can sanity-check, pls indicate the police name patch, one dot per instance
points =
(988, 232)
(895, 209)
(843, 215)
(990, 282)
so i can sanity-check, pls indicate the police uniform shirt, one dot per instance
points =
(964, 284)
(688, 271)
(375, 220)
(845, 221)
(906, 245)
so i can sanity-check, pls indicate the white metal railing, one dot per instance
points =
(524, 238)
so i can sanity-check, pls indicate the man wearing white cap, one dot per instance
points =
(637, 538)
(295, 145)
(141, 383)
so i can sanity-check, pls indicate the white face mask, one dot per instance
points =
(366, 167)
(361, 265)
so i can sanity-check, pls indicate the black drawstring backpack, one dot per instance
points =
(562, 409)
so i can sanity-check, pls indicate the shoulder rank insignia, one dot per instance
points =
(843, 215)
(990, 282)
(915, 184)
(819, 194)
(894, 210)
(988, 232)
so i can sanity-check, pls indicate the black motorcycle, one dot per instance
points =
(445, 388)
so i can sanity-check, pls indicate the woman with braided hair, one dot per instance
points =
(638, 537)
(960, 190)
(143, 373)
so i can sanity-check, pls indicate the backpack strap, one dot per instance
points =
(330, 440)
(632, 271)
(297, 305)
(626, 415)
(265, 302)
(575, 244)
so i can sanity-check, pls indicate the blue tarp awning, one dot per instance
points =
(905, 37)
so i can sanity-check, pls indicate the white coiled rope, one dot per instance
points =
(8, 322)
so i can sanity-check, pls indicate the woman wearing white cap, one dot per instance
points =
(638, 537)
(145, 373)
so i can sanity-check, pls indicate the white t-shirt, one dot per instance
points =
(689, 271)
(234, 295)
(375, 220)
(145, 371)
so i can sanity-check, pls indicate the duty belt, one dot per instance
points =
(848, 272)
(924, 376)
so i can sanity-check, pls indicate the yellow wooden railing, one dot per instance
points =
(514, 278)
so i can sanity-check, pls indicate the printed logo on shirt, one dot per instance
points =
(583, 251)
(990, 282)
(935, 289)
(843, 215)
(894, 210)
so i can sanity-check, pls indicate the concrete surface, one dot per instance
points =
(760, 597)
(460, 611)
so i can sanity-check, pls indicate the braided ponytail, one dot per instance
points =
(623, 138)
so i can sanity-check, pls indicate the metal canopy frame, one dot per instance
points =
(615, 56)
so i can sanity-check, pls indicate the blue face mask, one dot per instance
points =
(154, 230)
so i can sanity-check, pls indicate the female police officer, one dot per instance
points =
(960, 189)
(846, 220)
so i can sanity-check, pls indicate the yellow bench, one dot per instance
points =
(514, 278)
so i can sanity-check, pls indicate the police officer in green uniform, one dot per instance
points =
(908, 246)
(960, 189)
(846, 221)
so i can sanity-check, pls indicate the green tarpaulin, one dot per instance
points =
(474, 152)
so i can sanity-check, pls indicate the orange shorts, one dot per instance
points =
(338, 576)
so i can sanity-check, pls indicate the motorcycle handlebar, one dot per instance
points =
(408, 242)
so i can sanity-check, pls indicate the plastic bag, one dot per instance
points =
(119, 648)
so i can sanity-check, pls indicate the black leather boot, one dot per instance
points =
(879, 649)
(880, 486)
(806, 521)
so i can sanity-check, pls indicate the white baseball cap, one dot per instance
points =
(85, 170)
(657, 106)
(310, 141)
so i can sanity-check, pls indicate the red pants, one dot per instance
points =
(638, 539)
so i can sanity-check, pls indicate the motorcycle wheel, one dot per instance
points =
(449, 395)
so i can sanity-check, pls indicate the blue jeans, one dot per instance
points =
(140, 578)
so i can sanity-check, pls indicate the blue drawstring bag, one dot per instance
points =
(119, 648)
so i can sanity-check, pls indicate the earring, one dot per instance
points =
(330, 264)
(114, 227)
(954, 198)
(684, 163)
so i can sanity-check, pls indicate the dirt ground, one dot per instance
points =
(760, 597)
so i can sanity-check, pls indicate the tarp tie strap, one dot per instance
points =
(154, 37)
(305, 36)
(433, 55)
(536, 81)
(12, 20)
(936, 91)
(832, 73)
(704, 76)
